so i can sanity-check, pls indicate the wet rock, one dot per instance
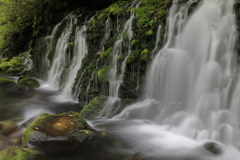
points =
(27, 83)
(213, 147)
(19, 153)
(59, 134)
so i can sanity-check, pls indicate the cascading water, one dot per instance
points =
(60, 58)
(116, 79)
(80, 50)
(193, 89)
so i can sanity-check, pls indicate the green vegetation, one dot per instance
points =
(103, 74)
(27, 83)
(57, 125)
(5, 81)
(93, 108)
(106, 54)
(15, 65)
(18, 153)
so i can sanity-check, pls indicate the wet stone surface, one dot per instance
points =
(57, 134)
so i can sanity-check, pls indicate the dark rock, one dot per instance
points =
(27, 83)
(213, 147)
(59, 134)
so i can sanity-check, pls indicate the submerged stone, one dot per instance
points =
(59, 134)
(213, 148)
(27, 83)
(19, 153)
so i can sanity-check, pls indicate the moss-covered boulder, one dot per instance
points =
(93, 108)
(19, 153)
(59, 134)
(213, 147)
(27, 83)
(5, 81)
(15, 65)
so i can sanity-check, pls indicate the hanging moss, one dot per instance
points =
(106, 54)
(135, 41)
(133, 57)
(103, 75)
(144, 55)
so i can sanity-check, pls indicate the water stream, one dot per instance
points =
(115, 78)
(192, 90)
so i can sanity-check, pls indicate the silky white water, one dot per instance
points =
(115, 78)
(80, 50)
(60, 58)
(192, 89)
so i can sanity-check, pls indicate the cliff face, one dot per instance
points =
(119, 39)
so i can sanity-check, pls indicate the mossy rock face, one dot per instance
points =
(19, 153)
(59, 134)
(27, 83)
(5, 81)
(15, 65)
(213, 147)
(93, 108)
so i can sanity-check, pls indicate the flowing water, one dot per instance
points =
(192, 89)
(60, 58)
(115, 78)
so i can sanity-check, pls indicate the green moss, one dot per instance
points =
(27, 83)
(125, 35)
(5, 81)
(144, 55)
(133, 57)
(135, 41)
(18, 153)
(162, 13)
(92, 109)
(149, 33)
(29, 130)
(69, 46)
(120, 58)
(15, 65)
(213, 148)
(106, 54)
(103, 74)
(45, 124)
(3, 60)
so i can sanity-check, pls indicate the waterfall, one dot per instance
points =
(192, 89)
(60, 57)
(157, 39)
(116, 79)
(80, 50)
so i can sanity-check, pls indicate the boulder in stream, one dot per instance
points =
(27, 83)
(213, 147)
(59, 134)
